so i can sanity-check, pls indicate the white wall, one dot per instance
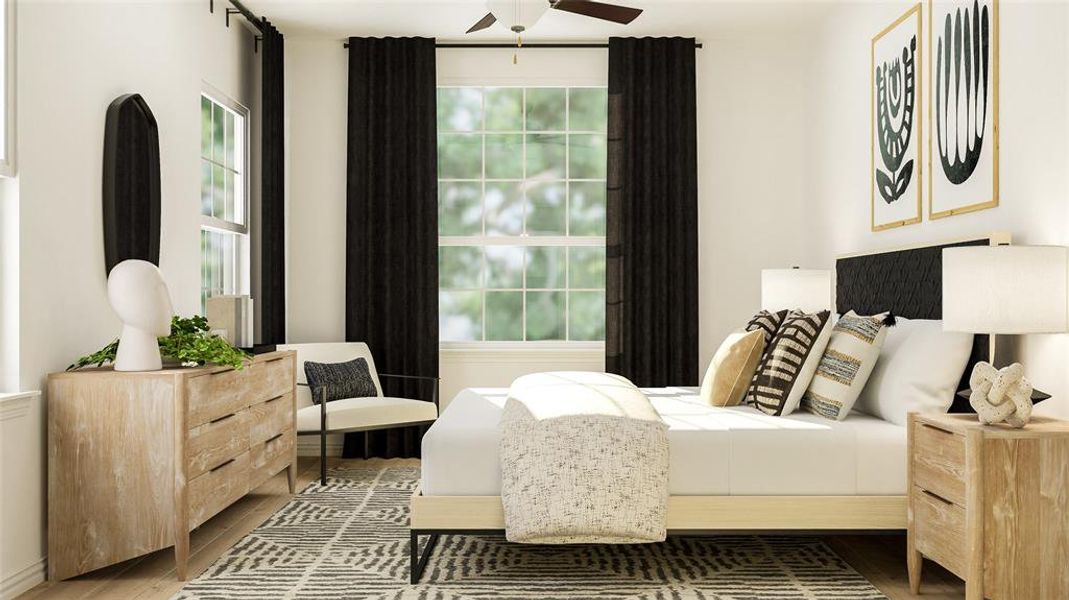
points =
(1034, 156)
(74, 59)
(752, 181)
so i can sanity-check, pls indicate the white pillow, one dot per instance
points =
(919, 369)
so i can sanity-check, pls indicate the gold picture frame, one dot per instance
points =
(914, 13)
(993, 200)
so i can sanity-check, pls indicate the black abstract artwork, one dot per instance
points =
(895, 112)
(962, 67)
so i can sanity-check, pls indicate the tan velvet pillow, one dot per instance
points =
(732, 368)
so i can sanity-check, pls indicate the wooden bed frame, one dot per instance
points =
(433, 516)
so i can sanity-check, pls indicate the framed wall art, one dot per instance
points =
(896, 124)
(963, 109)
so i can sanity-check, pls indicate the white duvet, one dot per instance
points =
(713, 451)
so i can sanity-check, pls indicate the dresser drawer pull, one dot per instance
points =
(221, 419)
(214, 469)
(938, 497)
(272, 438)
(935, 428)
(273, 399)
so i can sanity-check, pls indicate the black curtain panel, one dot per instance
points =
(131, 182)
(391, 270)
(651, 313)
(272, 301)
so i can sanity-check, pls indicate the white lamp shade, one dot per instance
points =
(808, 290)
(1006, 289)
(523, 13)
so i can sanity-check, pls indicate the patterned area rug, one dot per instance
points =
(349, 539)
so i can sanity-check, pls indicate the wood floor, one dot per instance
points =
(880, 558)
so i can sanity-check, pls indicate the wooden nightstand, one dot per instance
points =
(990, 504)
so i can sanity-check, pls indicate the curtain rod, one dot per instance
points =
(242, 10)
(514, 46)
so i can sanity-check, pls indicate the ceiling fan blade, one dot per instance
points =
(483, 23)
(599, 10)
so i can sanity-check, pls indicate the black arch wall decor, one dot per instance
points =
(131, 182)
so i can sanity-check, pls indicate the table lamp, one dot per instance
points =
(999, 290)
(808, 290)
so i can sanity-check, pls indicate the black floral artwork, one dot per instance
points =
(961, 91)
(895, 103)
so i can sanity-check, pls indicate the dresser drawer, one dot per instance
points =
(939, 529)
(939, 461)
(218, 488)
(270, 457)
(218, 394)
(216, 441)
(270, 379)
(267, 419)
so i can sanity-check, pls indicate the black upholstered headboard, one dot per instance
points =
(907, 282)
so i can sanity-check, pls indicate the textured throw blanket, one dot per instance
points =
(584, 459)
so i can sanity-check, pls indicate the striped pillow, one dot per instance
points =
(768, 323)
(848, 361)
(789, 362)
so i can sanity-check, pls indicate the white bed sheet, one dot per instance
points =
(736, 451)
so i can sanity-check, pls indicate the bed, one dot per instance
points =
(730, 469)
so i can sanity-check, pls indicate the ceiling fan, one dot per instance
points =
(519, 15)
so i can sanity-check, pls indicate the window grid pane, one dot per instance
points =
(522, 213)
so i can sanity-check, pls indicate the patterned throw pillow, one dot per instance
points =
(789, 362)
(768, 323)
(342, 380)
(848, 361)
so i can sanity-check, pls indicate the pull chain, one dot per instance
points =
(519, 44)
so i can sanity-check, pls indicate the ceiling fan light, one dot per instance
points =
(517, 13)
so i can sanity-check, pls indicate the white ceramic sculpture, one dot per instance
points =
(139, 296)
(1001, 394)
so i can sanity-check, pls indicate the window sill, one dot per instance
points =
(512, 347)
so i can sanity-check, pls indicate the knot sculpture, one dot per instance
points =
(1001, 394)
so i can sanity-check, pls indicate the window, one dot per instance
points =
(224, 231)
(521, 180)
(7, 88)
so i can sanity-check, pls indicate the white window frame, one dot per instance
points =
(242, 267)
(524, 239)
(8, 63)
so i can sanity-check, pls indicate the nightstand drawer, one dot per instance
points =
(939, 461)
(939, 527)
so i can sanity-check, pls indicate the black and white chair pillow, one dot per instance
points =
(350, 379)
(789, 362)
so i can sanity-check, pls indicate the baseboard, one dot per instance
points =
(309, 447)
(22, 580)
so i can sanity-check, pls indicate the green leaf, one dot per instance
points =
(189, 342)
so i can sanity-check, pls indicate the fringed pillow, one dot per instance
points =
(853, 348)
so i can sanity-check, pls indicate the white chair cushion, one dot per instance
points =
(366, 412)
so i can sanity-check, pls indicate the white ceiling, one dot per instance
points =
(449, 19)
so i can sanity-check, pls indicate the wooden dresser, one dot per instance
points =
(990, 504)
(137, 460)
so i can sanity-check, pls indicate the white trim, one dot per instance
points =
(15, 406)
(520, 354)
(8, 163)
(532, 347)
(23, 580)
(308, 445)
